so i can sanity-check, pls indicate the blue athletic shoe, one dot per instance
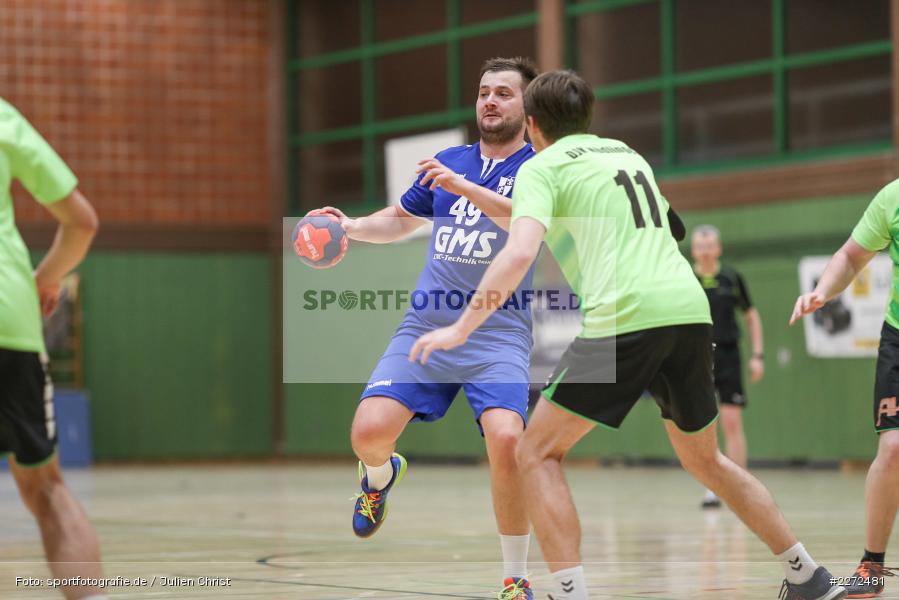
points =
(371, 506)
(516, 588)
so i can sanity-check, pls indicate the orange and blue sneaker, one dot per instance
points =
(516, 588)
(868, 580)
(371, 505)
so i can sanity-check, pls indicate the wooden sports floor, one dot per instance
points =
(283, 531)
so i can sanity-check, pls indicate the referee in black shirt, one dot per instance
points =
(727, 292)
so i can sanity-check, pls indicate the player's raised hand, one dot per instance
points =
(440, 175)
(444, 338)
(807, 304)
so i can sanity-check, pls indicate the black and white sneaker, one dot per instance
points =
(819, 587)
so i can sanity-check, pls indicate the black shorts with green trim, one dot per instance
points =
(27, 422)
(886, 380)
(601, 379)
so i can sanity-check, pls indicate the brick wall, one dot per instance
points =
(159, 106)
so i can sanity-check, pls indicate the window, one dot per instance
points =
(840, 104)
(478, 11)
(331, 174)
(515, 42)
(329, 97)
(619, 45)
(360, 72)
(635, 120)
(393, 20)
(821, 24)
(342, 29)
(726, 120)
(711, 33)
(411, 82)
(711, 83)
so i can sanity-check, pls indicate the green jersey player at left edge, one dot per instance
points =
(26, 393)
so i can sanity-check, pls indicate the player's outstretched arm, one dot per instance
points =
(495, 206)
(841, 270)
(78, 224)
(382, 227)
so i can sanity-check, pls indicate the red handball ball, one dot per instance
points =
(319, 240)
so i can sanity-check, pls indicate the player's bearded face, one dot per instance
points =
(500, 107)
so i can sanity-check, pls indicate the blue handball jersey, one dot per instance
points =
(464, 243)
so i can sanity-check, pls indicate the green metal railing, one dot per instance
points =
(667, 83)
(670, 81)
(371, 127)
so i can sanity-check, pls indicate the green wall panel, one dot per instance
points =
(177, 353)
(319, 416)
(178, 358)
(804, 409)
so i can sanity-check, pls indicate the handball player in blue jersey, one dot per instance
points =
(466, 191)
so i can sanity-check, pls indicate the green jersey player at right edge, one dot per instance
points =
(646, 326)
(877, 229)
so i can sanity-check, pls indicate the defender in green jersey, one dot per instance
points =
(27, 424)
(646, 326)
(877, 230)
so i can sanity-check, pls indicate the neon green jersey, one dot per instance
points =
(27, 157)
(879, 228)
(607, 226)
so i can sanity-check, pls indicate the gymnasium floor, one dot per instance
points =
(284, 532)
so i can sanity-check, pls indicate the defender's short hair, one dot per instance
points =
(561, 102)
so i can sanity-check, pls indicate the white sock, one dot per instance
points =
(710, 495)
(379, 477)
(515, 555)
(569, 584)
(798, 565)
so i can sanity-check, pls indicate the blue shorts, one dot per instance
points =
(492, 368)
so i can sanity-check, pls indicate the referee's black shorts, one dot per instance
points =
(729, 375)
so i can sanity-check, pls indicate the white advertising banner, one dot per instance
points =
(849, 325)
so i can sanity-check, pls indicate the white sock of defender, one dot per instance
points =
(798, 565)
(515, 555)
(569, 584)
(379, 477)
